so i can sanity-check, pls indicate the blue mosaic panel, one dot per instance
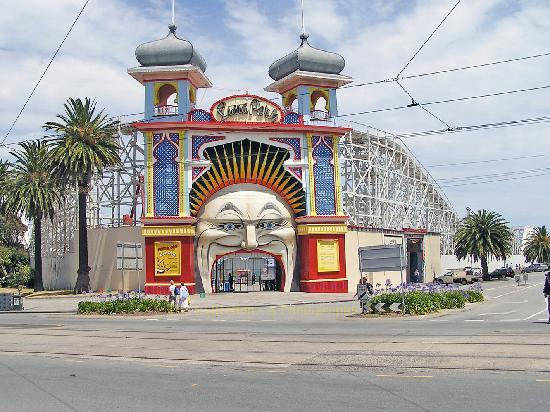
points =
(198, 141)
(165, 176)
(200, 115)
(291, 118)
(293, 142)
(323, 173)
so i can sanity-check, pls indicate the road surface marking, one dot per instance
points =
(405, 376)
(515, 303)
(474, 320)
(218, 320)
(535, 314)
(269, 320)
(152, 319)
(514, 291)
(498, 313)
(242, 320)
(543, 380)
(509, 320)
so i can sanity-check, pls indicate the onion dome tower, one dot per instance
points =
(309, 77)
(171, 70)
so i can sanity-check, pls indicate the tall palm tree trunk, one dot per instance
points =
(38, 284)
(83, 278)
(484, 266)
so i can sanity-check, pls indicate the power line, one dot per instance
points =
(443, 71)
(496, 180)
(493, 175)
(428, 39)
(414, 103)
(486, 161)
(44, 72)
(459, 99)
(496, 125)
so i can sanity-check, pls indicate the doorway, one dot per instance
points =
(415, 260)
(242, 272)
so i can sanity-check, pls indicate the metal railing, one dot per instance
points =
(166, 110)
(320, 115)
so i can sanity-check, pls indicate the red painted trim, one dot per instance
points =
(244, 127)
(247, 251)
(410, 230)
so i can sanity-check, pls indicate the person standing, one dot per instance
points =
(546, 292)
(172, 293)
(183, 298)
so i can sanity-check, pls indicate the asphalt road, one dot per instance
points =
(489, 356)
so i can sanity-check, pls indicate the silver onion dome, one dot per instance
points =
(169, 51)
(309, 59)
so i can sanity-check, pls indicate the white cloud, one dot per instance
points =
(376, 37)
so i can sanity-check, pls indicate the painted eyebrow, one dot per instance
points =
(269, 206)
(231, 206)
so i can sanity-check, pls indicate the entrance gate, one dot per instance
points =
(246, 272)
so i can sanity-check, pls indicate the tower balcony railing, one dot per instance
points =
(320, 115)
(166, 110)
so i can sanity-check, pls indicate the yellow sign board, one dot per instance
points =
(328, 258)
(167, 258)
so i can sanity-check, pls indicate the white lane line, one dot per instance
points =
(242, 320)
(514, 291)
(515, 303)
(474, 320)
(535, 314)
(218, 320)
(498, 313)
(269, 320)
(509, 320)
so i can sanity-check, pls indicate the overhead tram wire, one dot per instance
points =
(505, 159)
(44, 72)
(428, 39)
(458, 99)
(492, 175)
(494, 180)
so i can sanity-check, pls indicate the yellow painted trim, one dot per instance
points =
(288, 95)
(149, 174)
(156, 231)
(321, 229)
(158, 85)
(336, 164)
(192, 94)
(312, 206)
(323, 280)
(325, 94)
(181, 171)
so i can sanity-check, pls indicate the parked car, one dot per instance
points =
(535, 267)
(458, 276)
(500, 274)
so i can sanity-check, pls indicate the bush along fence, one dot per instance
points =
(421, 299)
(124, 303)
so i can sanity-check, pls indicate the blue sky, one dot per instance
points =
(240, 38)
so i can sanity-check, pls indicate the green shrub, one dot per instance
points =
(131, 305)
(474, 296)
(422, 302)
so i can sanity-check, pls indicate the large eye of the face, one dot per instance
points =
(230, 226)
(269, 225)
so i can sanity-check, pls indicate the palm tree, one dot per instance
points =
(85, 144)
(3, 179)
(481, 235)
(33, 192)
(537, 246)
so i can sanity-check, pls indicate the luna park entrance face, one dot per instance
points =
(246, 272)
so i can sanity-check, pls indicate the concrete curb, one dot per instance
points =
(208, 308)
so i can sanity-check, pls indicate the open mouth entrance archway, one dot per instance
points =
(247, 272)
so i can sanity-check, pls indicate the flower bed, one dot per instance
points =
(125, 304)
(421, 299)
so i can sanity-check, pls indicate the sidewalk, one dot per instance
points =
(68, 304)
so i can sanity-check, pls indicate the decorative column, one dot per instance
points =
(321, 234)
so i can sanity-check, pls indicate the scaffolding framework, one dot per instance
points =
(384, 186)
(115, 199)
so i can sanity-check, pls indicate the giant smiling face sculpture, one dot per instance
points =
(245, 217)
